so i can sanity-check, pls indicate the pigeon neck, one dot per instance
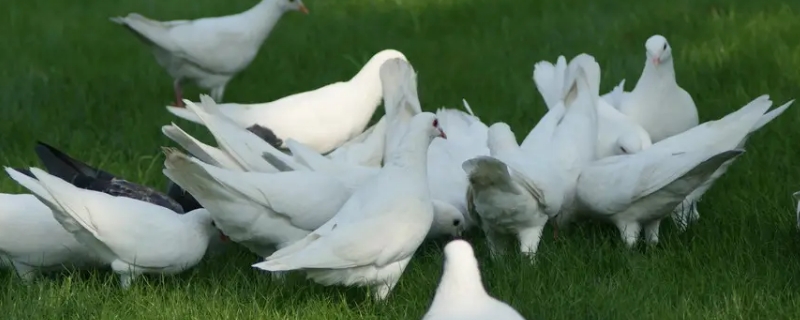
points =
(264, 16)
(201, 218)
(653, 74)
(412, 151)
(460, 280)
(499, 142)
(369, 81)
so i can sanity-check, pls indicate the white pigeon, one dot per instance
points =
(515, 193)
(448, 221)
(657, 103)
(617, 134)
(323, 118)
(460, 295)
(506, 197)
(370, 241)
(209, 51)
(659, 178)
(686, 212)
(31, 240)
(133, 237)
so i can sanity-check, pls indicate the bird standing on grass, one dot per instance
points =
(656, 180)
(209, 51)
(657, 102)
(662, 108)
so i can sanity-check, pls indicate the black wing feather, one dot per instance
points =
(65, 167)
(84, 176)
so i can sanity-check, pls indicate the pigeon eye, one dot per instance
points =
(665, 46)
(623, 149)
(435, 123)
(456, 223)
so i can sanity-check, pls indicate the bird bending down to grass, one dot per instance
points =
(132, 236)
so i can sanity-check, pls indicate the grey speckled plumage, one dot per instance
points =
(84, 176)
(187, 201)
(266, 134)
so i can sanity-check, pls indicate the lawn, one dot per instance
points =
(75, 80)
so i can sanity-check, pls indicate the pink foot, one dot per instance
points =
(178, 94)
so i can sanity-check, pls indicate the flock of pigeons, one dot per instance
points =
(351, 206)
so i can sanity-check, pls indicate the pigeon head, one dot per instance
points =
(459, 251)
(631, 143)
(393, 72)
(658, 50)
(501, 137)
(447, 220)
(428, 122)
(485, 172)
(461, 274)
(203, 218)
(386, 55)
(296, 5)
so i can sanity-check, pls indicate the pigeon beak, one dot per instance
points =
(656, 61)
(223, 237)
(442, 134)
(303, 9)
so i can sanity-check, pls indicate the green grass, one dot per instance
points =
(72, 78)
